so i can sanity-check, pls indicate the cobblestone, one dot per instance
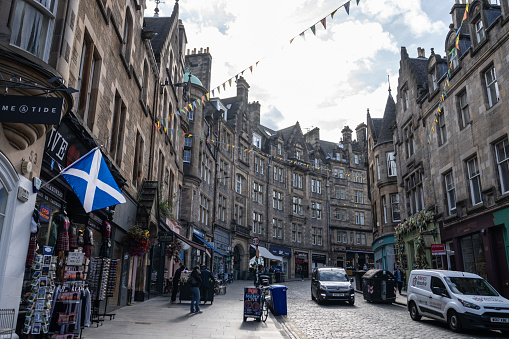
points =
(308, 319)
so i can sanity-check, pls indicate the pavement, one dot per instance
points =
(158, 318)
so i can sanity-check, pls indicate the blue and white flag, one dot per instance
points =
(91, 180)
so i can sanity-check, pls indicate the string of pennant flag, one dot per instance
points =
(456, 48)
(193, 105)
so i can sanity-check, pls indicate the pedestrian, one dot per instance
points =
(207, 283)
(195, 281)
(365, 267)
(399, 278)
(176, 281)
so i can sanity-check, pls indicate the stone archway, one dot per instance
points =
(240, 259)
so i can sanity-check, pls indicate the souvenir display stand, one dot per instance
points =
(102, 281)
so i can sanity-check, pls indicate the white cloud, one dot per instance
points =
(328, 80)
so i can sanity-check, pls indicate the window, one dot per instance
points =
(479, 30)
(223, 171)
(204, 209)
(453, 59)
(87, 79)
(144, 83)
(127, 37)
(32, 28)
(221, 208)
(415, 193)
(190, 114)
(356, 158)
(225, 140)
(205, 168)
(316, 210)
(338, 156)
(257, 192)
(279, 149)
(408, 133)
(442, 130)
(297, 155)
(343, 215)
(474, 178)
(188, 142)
(359, 218)
(341, 173)
(357, 177)
(351, 237)
(239, 184)
(117, 129)
(257, 140)
(257, 223)
(358, 236)
(358, 197)
(384, 209)
(277, 229)
(259, 164)
(395, 207)
(464, 114)
(491, 86)
(313, 185)
(317, 236)
(340, 193)
(317, 163)
(138, 159)
(391, 164)
(297, 205)
(451, 193)
(297, 180)
(239, 214)
(405, 99)
(296, 233)
(363, 239)
(377, 167)
(243, 152)
(319, 187)
(434, 80)
(277, 200)
(281, 178)
(502, 152)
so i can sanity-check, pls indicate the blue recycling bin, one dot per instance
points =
(278, 299)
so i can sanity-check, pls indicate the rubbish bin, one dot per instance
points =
(278, 299)
(379, 286)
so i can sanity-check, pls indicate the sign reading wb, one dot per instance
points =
(33, 110)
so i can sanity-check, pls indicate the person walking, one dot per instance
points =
(399, 278)
(195, 281)
(176, 281)
(207, 283)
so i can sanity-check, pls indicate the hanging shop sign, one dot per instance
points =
(165, 237)
(33, 110)
(438, 249)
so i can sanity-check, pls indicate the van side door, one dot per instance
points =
(437, 302)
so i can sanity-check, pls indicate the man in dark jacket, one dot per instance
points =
(207, 283)
(176, 281)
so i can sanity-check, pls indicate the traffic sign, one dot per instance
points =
(256, 241)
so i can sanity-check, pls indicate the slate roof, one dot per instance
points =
(376, 126)
(419, 67)
(161, 26)
(388, 120)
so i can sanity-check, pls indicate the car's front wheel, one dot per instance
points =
(414, 313)
(454, 321)
(351, 301)
(312, 296)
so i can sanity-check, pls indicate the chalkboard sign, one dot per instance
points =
(75, 258)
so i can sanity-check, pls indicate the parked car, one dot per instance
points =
(331, 283)
(463, 300)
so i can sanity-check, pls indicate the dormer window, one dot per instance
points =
(317, 163)
(434, 80)
(479, 30)
(297, 155)
(279, 149)
(257, 140)
(453, 59)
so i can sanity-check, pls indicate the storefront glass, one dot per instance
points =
(473, 255)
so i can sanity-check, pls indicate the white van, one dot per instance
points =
(463, 300)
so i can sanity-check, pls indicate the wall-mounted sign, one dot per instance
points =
(33, 110)
(165, 236)
(44, 213)
(438, 249)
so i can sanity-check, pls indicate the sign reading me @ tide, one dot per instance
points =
(33, 110)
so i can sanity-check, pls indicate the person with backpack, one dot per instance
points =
(194, 281)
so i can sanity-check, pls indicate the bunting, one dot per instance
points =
(347, 9)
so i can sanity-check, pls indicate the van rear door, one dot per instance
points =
(421, 287)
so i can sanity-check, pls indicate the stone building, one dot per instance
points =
(293, 191)
(383, 188)
(455, 164)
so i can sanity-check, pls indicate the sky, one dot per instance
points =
(328, 80)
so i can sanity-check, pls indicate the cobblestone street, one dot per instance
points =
(307, 319)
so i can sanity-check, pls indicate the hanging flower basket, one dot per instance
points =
(136, 241)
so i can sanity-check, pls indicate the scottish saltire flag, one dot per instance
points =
(91, 180)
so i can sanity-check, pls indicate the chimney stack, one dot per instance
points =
(421, 53)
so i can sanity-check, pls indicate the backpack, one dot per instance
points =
(192, 281)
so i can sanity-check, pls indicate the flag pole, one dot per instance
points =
(62, 171)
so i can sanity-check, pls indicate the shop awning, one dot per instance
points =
(209, 245)
(192, 243)
(266, 253)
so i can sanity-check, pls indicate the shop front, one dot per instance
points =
(222, 244)
(318, 260)
(301, 268)
(479, 247)
(285, 253)
(384, 253)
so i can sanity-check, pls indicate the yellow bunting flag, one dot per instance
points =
(208, 97)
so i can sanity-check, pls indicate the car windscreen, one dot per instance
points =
(470, 286)
(332, 276)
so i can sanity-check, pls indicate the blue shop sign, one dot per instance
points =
(281, 251)
(198, 232)
(386, 240)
